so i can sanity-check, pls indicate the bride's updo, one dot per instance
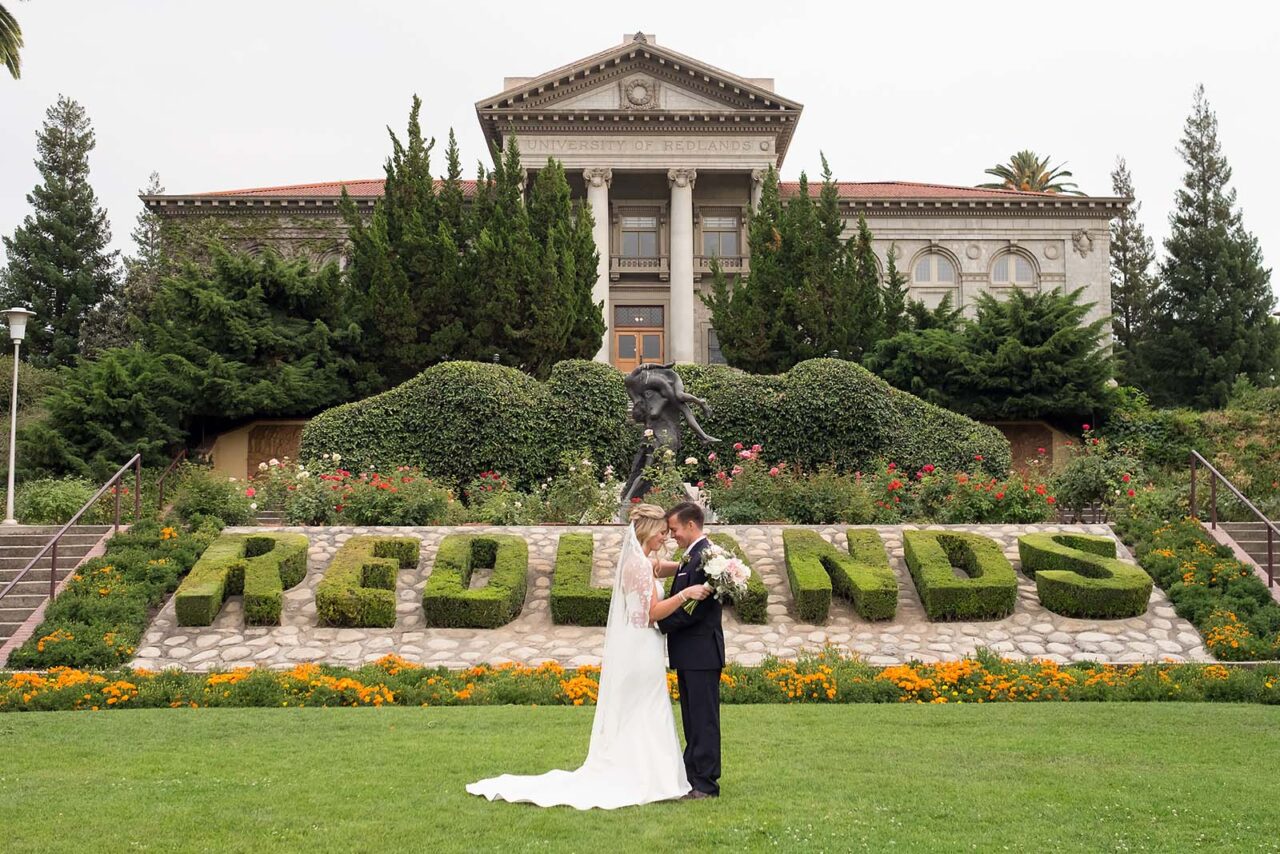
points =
(648, 519)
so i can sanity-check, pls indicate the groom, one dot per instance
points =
(695, 645)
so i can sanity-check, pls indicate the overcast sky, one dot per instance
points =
(239, 94)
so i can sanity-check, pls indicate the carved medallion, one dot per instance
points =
(1082, 242)
(640, 92)
(972, 252)
(1051, 251)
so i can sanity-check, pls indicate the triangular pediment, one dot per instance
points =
(615, 79)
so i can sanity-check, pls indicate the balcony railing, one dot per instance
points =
(658, 265)
(728, 263)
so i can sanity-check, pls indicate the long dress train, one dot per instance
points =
(634, 756)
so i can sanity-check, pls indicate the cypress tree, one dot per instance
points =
(1132, 257)
(59, 264)
(895, 296)
(866, 305)
(1211, 308)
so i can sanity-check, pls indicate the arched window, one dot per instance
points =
(1013, 269)
(933, 269)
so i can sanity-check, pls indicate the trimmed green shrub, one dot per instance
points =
(810, 583)
(449, 601)
(1078, 575)
(990, 591)
(261, 566)
(457, 419)
(863, 577)
(359, 587)
(574, 601)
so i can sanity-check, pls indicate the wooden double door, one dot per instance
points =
(631, 346)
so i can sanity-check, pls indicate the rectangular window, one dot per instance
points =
(714, 356)
(638, 316)
(640, 237)
(719, 236)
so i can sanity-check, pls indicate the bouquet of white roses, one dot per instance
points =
(726, 576)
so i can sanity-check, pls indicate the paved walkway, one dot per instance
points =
(1031, 631)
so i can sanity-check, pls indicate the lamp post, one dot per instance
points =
(17, 318)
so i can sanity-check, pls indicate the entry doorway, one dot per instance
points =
(639, 335)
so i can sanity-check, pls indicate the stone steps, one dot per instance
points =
(18, 545)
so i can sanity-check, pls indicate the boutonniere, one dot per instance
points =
(684, 558)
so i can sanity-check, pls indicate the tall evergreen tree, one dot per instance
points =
(117, 321)
(1211, 309)
(811, 292)
(895, 296)
(59, 264)
(264, 336)
(1132, 256)
(866, 307)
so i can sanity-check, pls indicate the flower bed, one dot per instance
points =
(359, 586)
(1079, 576)
(261, 566)
(98, 618)
(990, 591)
(827, 677)
(1229, 605)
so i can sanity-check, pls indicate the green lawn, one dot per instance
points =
(1047, 777)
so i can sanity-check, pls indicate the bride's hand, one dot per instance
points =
(697, 591)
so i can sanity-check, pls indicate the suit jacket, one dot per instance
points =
(694, 641)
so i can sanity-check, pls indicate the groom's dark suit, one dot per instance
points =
(695, 645)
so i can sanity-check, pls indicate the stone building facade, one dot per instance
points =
(670, 153)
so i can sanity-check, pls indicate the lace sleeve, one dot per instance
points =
(637, 584)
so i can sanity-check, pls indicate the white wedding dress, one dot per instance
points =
(634, 757)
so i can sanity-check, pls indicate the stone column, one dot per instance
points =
(598, 181)
(757, 185)
(682, 299)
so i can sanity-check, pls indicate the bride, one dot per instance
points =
(634, 757)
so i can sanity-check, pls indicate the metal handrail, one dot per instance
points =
(178, 457)
(136, 464)
(1273, 533)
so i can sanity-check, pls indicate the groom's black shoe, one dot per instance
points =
(696, 795)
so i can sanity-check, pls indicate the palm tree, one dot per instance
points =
(1026, 171)
(10, 43)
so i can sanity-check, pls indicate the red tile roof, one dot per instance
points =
(850, 190)
(907, 190)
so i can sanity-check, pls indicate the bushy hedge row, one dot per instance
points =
(1078, 575)
(574, 600)
(990, 591)
(818, 569)
(99, 617)
(450, 602)
(261, 566)
(359, 586)
(457, 419)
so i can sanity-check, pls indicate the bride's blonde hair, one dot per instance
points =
(648, 519)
